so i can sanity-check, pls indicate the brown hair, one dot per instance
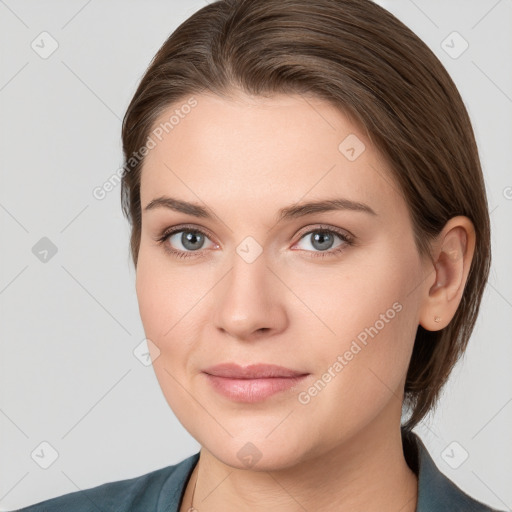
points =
(363, 60)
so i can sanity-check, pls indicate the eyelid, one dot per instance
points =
(325, 227)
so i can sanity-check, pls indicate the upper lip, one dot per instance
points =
(252, 371)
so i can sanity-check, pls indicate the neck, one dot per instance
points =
(368, 472)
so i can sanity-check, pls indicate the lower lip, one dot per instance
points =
(252, 390)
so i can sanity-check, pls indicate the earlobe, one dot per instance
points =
(453, 254)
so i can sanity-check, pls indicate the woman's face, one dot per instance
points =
(265, 283)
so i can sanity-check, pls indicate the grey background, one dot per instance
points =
(68, 375)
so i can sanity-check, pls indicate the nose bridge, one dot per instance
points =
(248, 300)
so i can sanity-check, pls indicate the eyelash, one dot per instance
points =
(348, 239)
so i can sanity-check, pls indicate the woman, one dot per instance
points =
(311, 238)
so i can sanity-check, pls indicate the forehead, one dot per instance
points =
(251, 149)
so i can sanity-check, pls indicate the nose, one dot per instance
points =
(249, 302)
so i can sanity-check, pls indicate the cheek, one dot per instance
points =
(368, 316)
(166, 308)
(368, 292)
(362, 372)
(168, 295)
(160, 299)
(174, 301)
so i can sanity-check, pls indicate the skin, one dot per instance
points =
(245, 158)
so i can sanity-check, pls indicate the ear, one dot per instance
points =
(453, 252)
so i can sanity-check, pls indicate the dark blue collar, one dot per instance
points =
(436, 492)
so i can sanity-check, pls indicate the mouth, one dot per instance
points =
(252, 383)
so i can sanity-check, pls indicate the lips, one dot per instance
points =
(252, 383)
(253, 371)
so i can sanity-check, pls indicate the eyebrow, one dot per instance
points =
(290, 212)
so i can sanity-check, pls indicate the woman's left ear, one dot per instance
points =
(453, 252)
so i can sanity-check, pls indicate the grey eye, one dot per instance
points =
(321, 240)
(190, 240)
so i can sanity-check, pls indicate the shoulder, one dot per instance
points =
(158, 490)
(435, 490)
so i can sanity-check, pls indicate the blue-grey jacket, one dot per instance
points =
(162, 490)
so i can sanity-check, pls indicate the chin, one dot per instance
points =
(254, 449)
(260, 455)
